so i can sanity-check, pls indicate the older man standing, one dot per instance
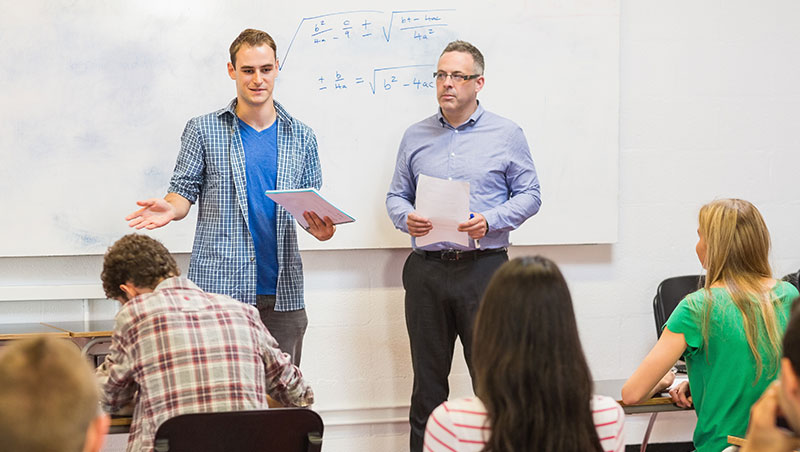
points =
(445, 281)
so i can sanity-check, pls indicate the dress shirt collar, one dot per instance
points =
(471, 121)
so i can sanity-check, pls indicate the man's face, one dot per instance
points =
(789, 400)
(456, 97)
(255, 72)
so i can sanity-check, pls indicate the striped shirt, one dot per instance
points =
(180, 350)
(211, 166)
(461, 425)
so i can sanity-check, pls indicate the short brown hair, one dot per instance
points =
(465, 47)
(252, 38)
(48, 396)
(137, 259)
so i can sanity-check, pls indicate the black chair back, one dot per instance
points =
(273, 430)
(670, 292)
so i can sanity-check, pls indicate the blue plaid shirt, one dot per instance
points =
(211, 166)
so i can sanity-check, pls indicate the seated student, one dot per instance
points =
(533, 386)
(48, 399)
(177, 349)
(781, 399)
(729, 331)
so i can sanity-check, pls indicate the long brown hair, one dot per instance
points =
(530, 370)
(737, 257)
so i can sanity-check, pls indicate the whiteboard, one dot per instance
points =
(95, 95)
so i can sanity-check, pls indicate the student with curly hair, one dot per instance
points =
(177, 349)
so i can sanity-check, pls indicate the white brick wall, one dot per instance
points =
(709, 107)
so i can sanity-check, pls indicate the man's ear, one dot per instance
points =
(479, 84)
(231, 71)
(130, 290)
(96, 434)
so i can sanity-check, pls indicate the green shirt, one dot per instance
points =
(722, 372)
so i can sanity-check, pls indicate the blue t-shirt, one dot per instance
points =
(261, 169)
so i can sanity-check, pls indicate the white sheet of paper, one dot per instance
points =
(446, 204)
(308, 199)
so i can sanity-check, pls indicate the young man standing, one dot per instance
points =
(444, 281)
(177, 349)
(245, 246)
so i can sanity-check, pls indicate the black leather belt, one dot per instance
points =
(458, 255)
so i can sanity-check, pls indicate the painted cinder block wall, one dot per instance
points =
(709, 106)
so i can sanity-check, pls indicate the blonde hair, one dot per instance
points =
(48, 396)
(737, 257)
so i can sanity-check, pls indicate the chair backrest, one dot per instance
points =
(669, 293)
(793, 279)
(273, 430)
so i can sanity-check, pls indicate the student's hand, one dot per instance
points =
(320, 228)
(155, 212)
(665, 382)
(681, 395)
(417, 225)
(763, 434)
(476, 226)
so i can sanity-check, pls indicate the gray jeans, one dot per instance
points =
(287, 327)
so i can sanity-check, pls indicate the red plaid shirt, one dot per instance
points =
(180, 350)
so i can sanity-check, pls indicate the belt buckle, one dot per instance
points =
(450, 255)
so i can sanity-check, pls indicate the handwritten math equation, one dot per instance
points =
(381, 79)
(349, 33)
(420, 25)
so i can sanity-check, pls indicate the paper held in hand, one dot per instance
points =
(302, 200)
(446, 204)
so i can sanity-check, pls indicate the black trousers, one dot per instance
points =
(442, 298)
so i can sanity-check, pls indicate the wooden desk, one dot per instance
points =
(120, 424)
(13, 331)
(613, 388)
(653, 406)
(86, 334)
(89, 328)
(736, 441)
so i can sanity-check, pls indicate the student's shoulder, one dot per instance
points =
(469, 413)
(785, 289)
(601, 403)
(606, 410)
(467, 404)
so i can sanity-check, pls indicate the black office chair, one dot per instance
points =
(273, 430)
(793, 279)
(669, 293)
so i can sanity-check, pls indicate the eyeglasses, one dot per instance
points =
(442, 76)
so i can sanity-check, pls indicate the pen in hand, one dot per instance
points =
(477, 241)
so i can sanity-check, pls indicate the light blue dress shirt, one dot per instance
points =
(488, 151)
